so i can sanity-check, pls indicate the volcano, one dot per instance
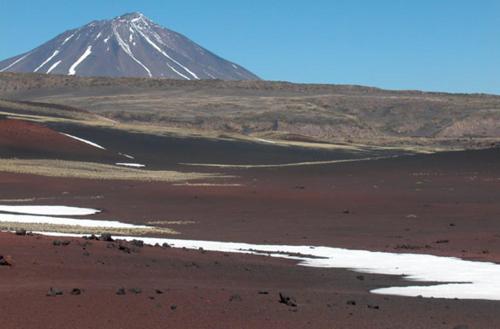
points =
(130, 45)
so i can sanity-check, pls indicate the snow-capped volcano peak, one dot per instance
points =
(128, 45)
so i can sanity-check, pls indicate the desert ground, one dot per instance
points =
(269, 195)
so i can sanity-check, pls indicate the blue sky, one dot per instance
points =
(439, 45)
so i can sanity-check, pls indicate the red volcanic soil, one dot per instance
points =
(443, 204)
(20, 138)
(177, 288)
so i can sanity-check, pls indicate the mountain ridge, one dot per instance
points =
(274, 110)
(130, 45)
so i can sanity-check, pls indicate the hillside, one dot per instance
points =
(274, 110)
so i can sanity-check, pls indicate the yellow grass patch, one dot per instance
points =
(72, 229)
(89, 170)
(171, 222)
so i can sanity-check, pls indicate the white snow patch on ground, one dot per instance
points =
(54, 54)
(72, 69)
(132, 165)
(49, 210)
(84, 141)
(455, 278)
(127, 156)
(98, 36)
(266, 141)
(107, 39)
(53, 66)
(15, 62)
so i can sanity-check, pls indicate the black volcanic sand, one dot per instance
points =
(160, 152)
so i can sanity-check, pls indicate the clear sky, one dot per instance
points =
(441, 45)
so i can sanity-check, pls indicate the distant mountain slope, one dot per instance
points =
(127, 46)
(273, 110)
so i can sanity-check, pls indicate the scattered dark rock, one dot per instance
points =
(166, 245)
(106, 237)
(137, 243)
(135, 291)
(58, 243)
(54, 292)
(121, 291)
(173, 307)
(407, 247)
(374, 307)
(287, 300)
(263, 292)
(86, 254)
(203, 251)
(300, 187)
(159, 291)
(4, 262)
(192, 264)
(346, 211)
(235, 298)
(442, 241)
(124, 248)
(360, 277)
(76, 291)
(91, 237)
(351, 302)
(21, 232)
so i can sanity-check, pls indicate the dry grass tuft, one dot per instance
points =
(172, 222)
(89, 170)
(71, 229)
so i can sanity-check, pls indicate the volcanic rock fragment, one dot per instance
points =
(58, 243)
(124, 248)
(106, 237)
(21, 232)
(135, 291)
(137, 243)
(287, 300)
(235, 298)
(53, 292)
(4, 262)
